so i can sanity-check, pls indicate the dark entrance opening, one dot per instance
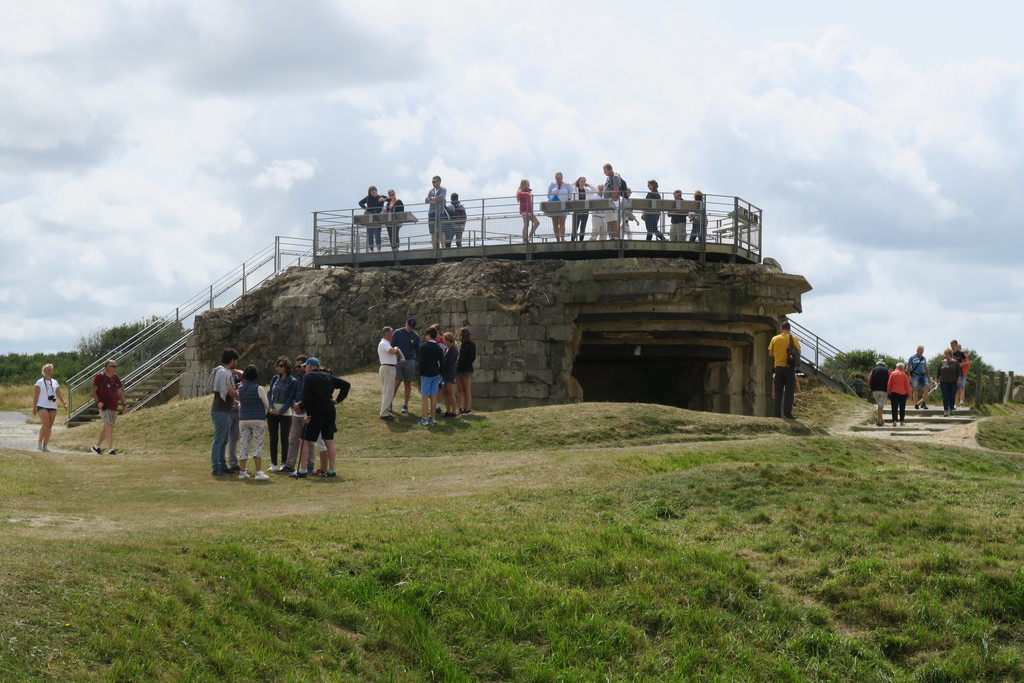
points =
(668, 374)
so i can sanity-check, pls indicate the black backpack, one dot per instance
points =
(624, 190)
(792, 354)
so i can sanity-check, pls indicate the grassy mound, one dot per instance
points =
(579, 542)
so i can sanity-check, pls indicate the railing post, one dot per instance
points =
(243, 278)
(483, 222)
(277, 253)
(211, 296)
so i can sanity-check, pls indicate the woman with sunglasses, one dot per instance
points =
(279, 418)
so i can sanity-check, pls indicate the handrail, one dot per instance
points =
(143, 350)
(823, 353)
(717, 219)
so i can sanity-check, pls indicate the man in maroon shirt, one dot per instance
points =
(108, 394)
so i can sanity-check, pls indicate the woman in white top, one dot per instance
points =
(561, 190)
(44, 404)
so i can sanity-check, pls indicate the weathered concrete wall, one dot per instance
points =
(536, 324)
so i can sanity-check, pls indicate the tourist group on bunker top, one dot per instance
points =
(446, 221)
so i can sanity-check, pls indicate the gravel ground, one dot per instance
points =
(15, 432)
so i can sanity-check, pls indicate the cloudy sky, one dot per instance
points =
(149, 146)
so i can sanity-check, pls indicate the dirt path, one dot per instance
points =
(16, 432)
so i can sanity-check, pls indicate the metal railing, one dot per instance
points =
(143, 354)
(497, 221)
(820, 357)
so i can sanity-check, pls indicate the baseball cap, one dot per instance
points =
(880, 362)
(312, 362)
(411, 322)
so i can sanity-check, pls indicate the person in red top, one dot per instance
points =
(525, 197)
(108, 394)
(898, 389)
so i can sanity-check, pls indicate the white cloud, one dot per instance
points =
(140, 136)
(281, 175)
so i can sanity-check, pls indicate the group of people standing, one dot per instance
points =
(444, 365)
(446, 221)
(607, 223)
(298, 409)
(912, 381)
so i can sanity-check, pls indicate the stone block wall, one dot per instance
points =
(525, 317)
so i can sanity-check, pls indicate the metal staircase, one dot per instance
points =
(820, 359)
(152, 361)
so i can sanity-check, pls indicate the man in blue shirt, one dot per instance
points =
(408, 343)
(917, 368)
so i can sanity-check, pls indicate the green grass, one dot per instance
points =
(527, 546)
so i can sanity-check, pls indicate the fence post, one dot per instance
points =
(978, 400)
(243, 278)
(277, 253)
(1008, 394)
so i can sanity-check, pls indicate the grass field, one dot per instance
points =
(585, 542)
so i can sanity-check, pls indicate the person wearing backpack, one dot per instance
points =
(616, 190)
(784, 350)
(457, 216)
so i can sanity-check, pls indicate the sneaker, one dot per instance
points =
(219, 473)
(405, 410)
(97, 450)
(234, 468)
(320, 473)
(243, 475)
(297, 475)
(387, 417)
(424, 422)
(284, 469)
(112, 451)
(331, 473)
(261, 476)
(945, 413)
(924, 405)
(39, 446)
(879, 424)
(272, 468)
(433, 421)
(45, 449)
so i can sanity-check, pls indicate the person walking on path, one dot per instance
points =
(279, 417)
(44, 404)
(108, 393)
(785, 361)
(898, 388)
(948, 375)
(878, 382)
(917, 368)
(960, 356)
(221, 384)
(252, 422)
(389, 356)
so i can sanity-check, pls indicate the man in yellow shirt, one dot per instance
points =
(784, 379)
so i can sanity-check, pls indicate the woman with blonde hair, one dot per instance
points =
(44, 404)
(525, 197)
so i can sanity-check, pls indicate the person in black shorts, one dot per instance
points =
(321, 415)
